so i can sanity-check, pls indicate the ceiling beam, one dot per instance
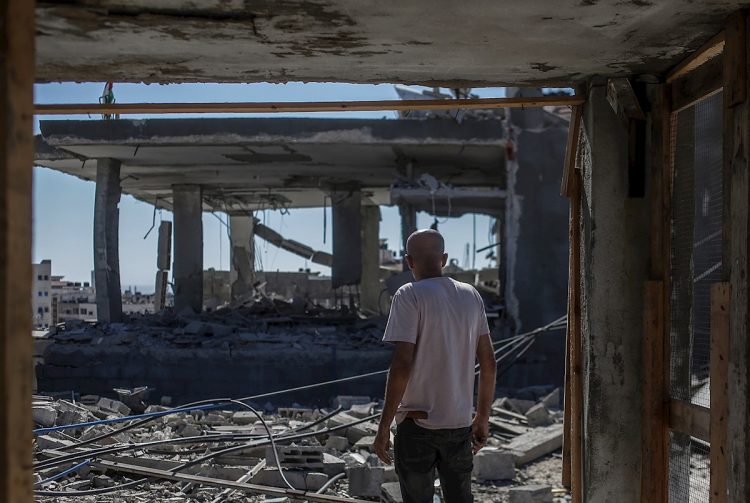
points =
(301, 106)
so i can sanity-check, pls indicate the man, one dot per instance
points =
(439, 329)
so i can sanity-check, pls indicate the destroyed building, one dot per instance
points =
(443, 165)
(655, 176)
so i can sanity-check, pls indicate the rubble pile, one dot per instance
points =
(222, 453)
(178, 354)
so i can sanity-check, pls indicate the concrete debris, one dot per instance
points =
(530, 494)
(390, 492)
(307, 463)
(492, 463)
(536, 443)
(538, 415)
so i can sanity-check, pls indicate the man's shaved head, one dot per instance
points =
(425, 253)
(426, 242)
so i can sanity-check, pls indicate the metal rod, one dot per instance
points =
(300, 106)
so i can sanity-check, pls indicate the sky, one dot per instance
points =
(63, 205)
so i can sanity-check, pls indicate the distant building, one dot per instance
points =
(41, 294)
(55, 300)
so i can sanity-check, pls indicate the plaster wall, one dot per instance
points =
(614, 265)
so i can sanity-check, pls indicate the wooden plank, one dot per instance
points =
(703, 82)
(690, 419)
(708, 51)
(655, 469)
(719, 372)
(574, 131)
(16, 160)
(735, 253)
(575, 424)
(313, 106)
(735, 59)
(623, 100)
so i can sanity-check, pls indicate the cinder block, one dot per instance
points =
(291, 456)
(493, 464)
(538, 415)
(365, 481)
(530, 494)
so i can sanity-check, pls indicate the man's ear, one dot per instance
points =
(409, 262)
(445, 260)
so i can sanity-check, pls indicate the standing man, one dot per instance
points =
(440, 330)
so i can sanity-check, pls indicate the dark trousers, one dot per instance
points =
(419, 452)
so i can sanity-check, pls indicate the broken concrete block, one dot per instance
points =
(315, 480)
(293, 456)
(347, 401)
(271, 477)
(365, 443)
(538, 415)
(45, 442)
(333, 465)
(553, 401)
(190, 430)
(530, 494)
(116, 406)
(536, 443)
(493, 464)
(244, 417)
(390, 492)
(337, 443)
(103, 481)
(44, 415)
(365, 480)
(197, 328)
(361, 411)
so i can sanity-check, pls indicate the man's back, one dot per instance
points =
(445, 319)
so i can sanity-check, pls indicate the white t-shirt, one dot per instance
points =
(445, 319)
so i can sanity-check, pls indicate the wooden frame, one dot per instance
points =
(573, 407)
(301, 106)
(709, 50)
(719, 371)
(16, 159)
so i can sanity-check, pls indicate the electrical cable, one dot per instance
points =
(186, 440)
(63, 473)
(197, 460)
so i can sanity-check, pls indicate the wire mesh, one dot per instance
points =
(690, 469)
(696, 263)
(696, 245)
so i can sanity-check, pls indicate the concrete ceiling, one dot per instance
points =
(247, 164)
(474, 43)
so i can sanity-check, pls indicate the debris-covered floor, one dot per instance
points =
(223, 454)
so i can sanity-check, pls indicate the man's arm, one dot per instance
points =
(398, 378)
(480, 428)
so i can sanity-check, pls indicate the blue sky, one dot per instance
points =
(64, 205)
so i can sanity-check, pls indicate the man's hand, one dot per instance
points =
(480, 431)
(382, 445)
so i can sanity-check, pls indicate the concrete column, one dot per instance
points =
(106, 247)
(408, 224)
(347, 242)
(188, 247)
(614, 265)
(370, 285)
(242, 255)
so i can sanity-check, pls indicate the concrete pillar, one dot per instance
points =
(536, 241)
(347, 242)
(106, 237)
(370, 286)
(614, 265)
(242, 255)
(408, 224)
(188, 247)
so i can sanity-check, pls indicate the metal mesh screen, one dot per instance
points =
(696, 245)
(689, 473)
(696, 263)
